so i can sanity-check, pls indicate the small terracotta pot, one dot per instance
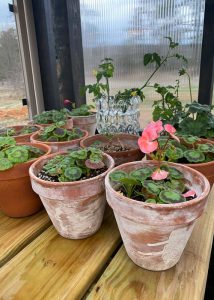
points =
(120, 157)
(68, 124)
(88, 123)
(59, 146)
(155, 235)
(17, 197)
(75, 208)
(23, 137)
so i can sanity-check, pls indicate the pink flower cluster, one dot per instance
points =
(148, 142)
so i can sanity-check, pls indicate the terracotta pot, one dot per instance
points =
(59, 146)
(119, 157)
(23, 137)
(88, 123)
(207, 169)
(75, 208)
(155, 235)
(17, 197)
(68, 124)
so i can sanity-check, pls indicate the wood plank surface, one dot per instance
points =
(16, 233)
(186, 281)
(53, 267)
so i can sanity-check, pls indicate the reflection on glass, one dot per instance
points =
(12, 88)
(127, 29)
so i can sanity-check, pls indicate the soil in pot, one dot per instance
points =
(75, 207)
(17, 197)
(155, 235)
(122, 147)
(21, 133)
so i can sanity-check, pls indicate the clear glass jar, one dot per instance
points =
(113, 117)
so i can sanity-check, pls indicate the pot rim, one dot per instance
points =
(26, 134)
(62, 142)
(116, 134)
(157, 205)
(77, 182)
(92, 114)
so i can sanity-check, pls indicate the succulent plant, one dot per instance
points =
(11, 154)
(74, 165)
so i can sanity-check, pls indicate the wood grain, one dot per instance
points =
(186, 281)
(16, 233)
(53, 267)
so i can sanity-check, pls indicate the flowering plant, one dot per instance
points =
(163, 184)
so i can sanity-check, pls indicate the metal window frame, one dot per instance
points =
(29, 55)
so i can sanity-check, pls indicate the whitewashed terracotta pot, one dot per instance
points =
(75, 208)
(155, 235)
(88, 123)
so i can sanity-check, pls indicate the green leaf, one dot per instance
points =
(190, 139)
(18, 155)
(174, 153)
(150, 200)
(177, 185)
(175, 173)
(5, 164)
(151, 187)
(118, 175)
(206, 147)
(147, 59)
(194, 156)
(142, 173)
(73, 173)
(169, 196)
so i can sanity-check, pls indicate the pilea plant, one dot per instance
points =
(51, 116)
(11, 154)
(76, 165)
(55, 133)
(162, 184)
(83, 110)
(106, 69)
(13, 132)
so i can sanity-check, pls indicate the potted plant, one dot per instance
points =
(122, 147)
(190, 150)
(82, 116)
(120, 113)
(71, 187)
(21, 133)
(156, 203)
(17, 197)
(46, 118)
(58, 138)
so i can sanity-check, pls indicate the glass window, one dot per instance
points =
(127, 29)
(12, 88)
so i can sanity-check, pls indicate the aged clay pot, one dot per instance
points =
(75, 208)
(88, 123)
(155, 235)
(119, 157)
(68, 124)
(59, 146)
(17, 197)
(24, 137)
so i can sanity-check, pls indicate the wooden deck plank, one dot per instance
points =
(16, 233)
(53, 267)
(187, 280)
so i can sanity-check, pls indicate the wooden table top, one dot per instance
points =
(37, 263)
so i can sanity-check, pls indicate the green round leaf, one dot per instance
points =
(118, 175)
(174, 153)
(73, 173)
(205, 147)
(150, 200)
(18, 155)
(190, 139)
(142, 173)
(151, 187)
(177, 185)
(175, 173)
(59, 132)
(5, 164)
(194, 156)
(169, 196)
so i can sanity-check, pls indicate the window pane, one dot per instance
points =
(12, 88)
(127, 29)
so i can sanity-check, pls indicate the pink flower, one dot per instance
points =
(171, 130)
(159, 174)
(152, 131)
(146, 146)
(190, 193)
(66, 102)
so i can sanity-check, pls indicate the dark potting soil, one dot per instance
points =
(114, 148)
(44, 176)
